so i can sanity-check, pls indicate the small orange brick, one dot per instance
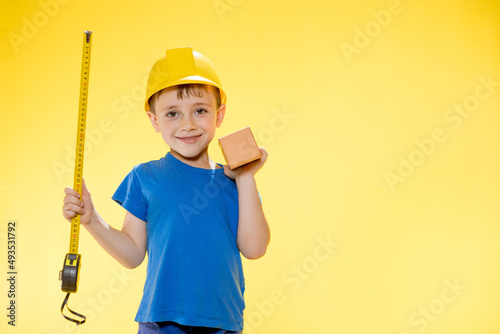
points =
(239, 148)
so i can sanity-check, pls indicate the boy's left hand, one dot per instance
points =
(249, 169)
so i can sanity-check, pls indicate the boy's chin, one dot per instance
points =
(189, 154)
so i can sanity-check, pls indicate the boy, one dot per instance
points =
(193, 217)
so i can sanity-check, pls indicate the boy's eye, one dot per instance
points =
(200, 111)
(171, 114)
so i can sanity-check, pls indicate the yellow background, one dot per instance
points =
(340, 93)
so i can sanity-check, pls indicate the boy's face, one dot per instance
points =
(188, 125)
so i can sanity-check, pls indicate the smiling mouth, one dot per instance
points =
(189, 140)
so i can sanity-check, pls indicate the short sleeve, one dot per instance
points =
(130, 195)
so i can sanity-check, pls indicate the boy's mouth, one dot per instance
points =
(190, 139)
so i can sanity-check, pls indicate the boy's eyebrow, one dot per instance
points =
(201, 103)
(170, 107)
(174, 106)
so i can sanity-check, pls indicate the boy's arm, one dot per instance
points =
(127, 246)
(253, 230)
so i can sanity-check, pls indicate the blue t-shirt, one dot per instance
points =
(194, 273)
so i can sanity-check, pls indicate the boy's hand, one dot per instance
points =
(249, 169)
(73, 205)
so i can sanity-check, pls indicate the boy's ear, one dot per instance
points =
(220, 114)
(154, 121)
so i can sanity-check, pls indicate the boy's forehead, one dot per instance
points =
(199, 93)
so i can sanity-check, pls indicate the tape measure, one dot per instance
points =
(70, 273)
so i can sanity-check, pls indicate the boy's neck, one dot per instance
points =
(200, 161)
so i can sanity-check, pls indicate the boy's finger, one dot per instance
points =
(264, 153)
(84, 188)
(70, 210)
(73, 207)
(228, 172)
(70, 191)
(71, 199)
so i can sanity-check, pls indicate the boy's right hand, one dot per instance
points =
(73, 205)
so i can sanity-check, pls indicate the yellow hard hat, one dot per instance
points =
(182, 66)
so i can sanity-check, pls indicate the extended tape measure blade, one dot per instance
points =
(80, 134)
(70, 274)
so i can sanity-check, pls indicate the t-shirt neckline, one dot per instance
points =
(198, 170)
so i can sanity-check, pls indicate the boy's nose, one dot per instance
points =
(188, 124)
